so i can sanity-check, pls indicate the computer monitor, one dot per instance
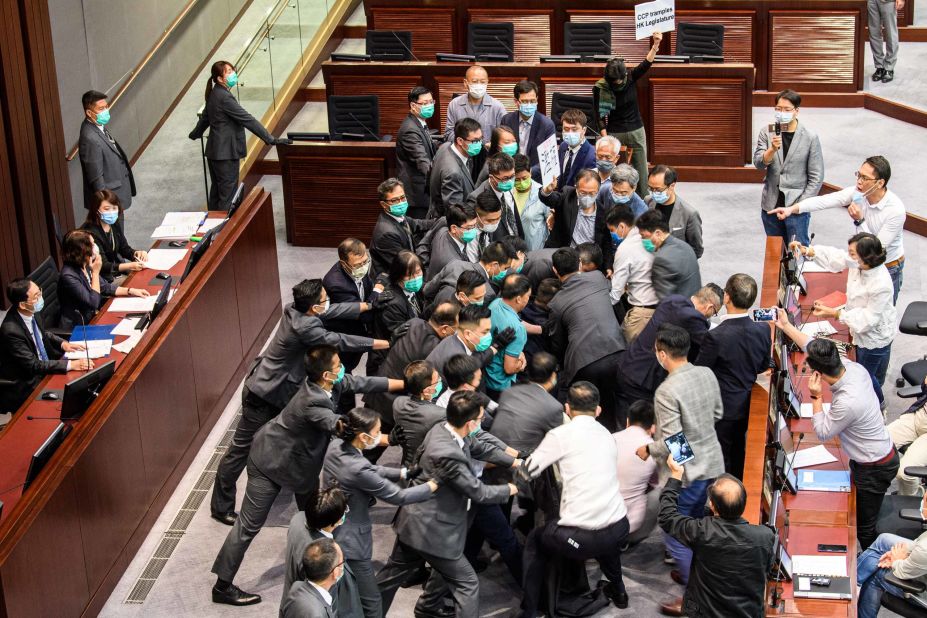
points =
(163, 296)
(792, 306)
(236, 200)
(81, 392)
(45, 452)
(200, 249)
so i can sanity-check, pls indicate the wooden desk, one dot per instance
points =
(695, 114)
(809, 46)
(65, 542)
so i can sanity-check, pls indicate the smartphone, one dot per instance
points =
(764, 315)
(679, 447)
(832, 549)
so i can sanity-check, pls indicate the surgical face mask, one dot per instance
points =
(477, 91)
(616, 239)
(39, 305)
(373, 444)
(478, 303)
(427, 111)
(361, 271)
(232, 80)
(572, 138)
(468, 235)
(103, 117)
(340, 575)
(325, 306)
(660, 197)
(659, 362)
(340, 375)
(784, 117)
(474, 148)
(604, 166)
(620, 199)
(483, 344)
(505, 185)
(586, 201)
(109, 218)
(851, 263)
(489, 228)
(399, 210)
(523, 185)
(527, 109)
(476, 430)
(509, 149)
(413, 285)
(499, 276)
(439, 386)
(648, 245)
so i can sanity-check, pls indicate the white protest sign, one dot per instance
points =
(656, 16)
(548, 160)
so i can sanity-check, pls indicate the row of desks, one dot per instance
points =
(66, 540)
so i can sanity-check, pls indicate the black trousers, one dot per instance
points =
(491, 523)
(628, 393)
(603, 373)
(223, 180)
(255, 412)
(732, 435)
(871, 482)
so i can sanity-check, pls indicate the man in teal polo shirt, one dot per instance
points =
(501, 371)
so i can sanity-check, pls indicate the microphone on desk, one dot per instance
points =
(506, 46)
(364, 126)
(43, 418)
(86, 345)
(404, 46)
(9, 489)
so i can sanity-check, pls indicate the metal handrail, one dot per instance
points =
(267, 25)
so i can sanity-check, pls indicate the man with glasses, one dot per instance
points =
(621, 190)
(451, 179)
(323, 567)
(872, 208)
(531, 127)
(394, 231)
(415, 149)
(576, 218)
(683, 220)
(791, 155)
(501, 182)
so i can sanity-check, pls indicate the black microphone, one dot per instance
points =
(801, 267)
(9, 489)
(86, 346)
(365, 127)
(778, 128)
(786, 469)
(715, 43)
(506, 46)
(43, 418)
(401, 42)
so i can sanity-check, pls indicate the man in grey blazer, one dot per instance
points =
(451, 173)
(415, 150)
(435, 531)
(675, 267)
(791, 155)
(683, 220)
(449, 243)
(527, 410)
(493, 265)
(688, 400)
(417, 412)
(323, 566)
(103, 163)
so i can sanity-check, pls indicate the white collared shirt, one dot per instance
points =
(457, 438)
(631, 270)
(326, 596)
(463, 157)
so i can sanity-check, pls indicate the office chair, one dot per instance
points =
(913, 322)
(389, 45)
(46, 277)
(699, 39)
(491, 40)
(587, 39)
(355, 118)
(911, 606)
(563, 101)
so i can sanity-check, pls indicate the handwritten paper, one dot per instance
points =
(656, 16)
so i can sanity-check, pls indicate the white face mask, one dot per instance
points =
(374, 444)
(477, 91)
(325, 306)
(489, 229)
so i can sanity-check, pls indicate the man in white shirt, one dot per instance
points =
(323, 566)
(638, 479)
(631, 272)
(593, 518)
(872, 207)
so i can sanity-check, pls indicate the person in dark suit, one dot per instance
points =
(434, 531)
(683, 220)
(277, 374)
(415, 150)
(539, 265)
(400, 301)
(103, 162)
(503, 140)
(288, 452)
(226, 120)
(450, 242)
(28, 352)
(394, 231)
(364, 482)
(576, 217)
(416, 412)
(527, 410)
(473, 337)
(323, 567)
(500, 182)
(81, 289)
(452, 172)
(675, 267)
(493, 265)
(537, 313)
(531, 127)
(575, 151)
(104, 222)
(736, 351)
(581, 313)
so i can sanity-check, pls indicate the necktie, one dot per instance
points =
(567, 168)
(109, 137)
(509, 214)
(39, 344)
(360, 288)
(408, 230)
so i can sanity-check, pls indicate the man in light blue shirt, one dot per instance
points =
(502, 370)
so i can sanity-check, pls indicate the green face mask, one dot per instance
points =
(340, 376)
(499, 276)
(103, 117)
(474, 148)
(399, 210)
(439, 386)
(648, 245)
(484, 343)
(468, 236)
(232, 80)
(510, 149)
(505, 185)
(523, 185)
(427, 111)
(413, 285)
(479, 428)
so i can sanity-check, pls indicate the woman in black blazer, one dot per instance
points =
(105, 224)
(80, 287)
(400, 301)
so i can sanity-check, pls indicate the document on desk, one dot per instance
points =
(174, 232)
(95, 349)
(806, 411)
(209, 224)
(129, 304)
(164, 259)
(810, 266)
(126, 327)
(183, 218)
(820, 566)
(818, 329)
(812, 456)
(129, 344)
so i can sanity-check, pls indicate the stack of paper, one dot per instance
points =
(818, 329)
(164, 259)
(95, 349)
(806, 411)
(126, 327)
(810, 266)
(209, 224)
(132, 304)
(820, 566)
(813, 456)
(178, 225)
(129, 344)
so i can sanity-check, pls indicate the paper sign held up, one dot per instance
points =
(656, 16)
(548, 160)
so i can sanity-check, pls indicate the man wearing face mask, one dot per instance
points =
(872, 207)
(501, 183)
(675, 268)
(683, 220)
(103, 162)
(607, 150)
(632, 289)
(415, 149)
(450, 242)
(575, 152)
(471, 289)
(394, 231)
(503, 368)
(416, 412)
(489, 213)
(494, 264)
(576, 218)
(620, 190)
(451, 180)
(474, 338)
(475, 104)
(531, 127)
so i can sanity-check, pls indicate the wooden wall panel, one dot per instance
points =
(533, 30)
(738, 31)
(393, 92)
(813, 49)
(499, 87)
(257, 278)
(623, 42)
(433, 30)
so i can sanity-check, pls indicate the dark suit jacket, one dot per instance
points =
(542, 127)
(675, 269)
(227, 121)
(114, 248)
(566, 205)
(451, 181)
(342, 289)
(452, 346)
(525, 414)
(20, 362)
(443, 250)
(584, 160)
(639, 364)
(439, 526)
(503, 230)
(390, 237)
(104, 165)
(736, 351)
(304, 601)
(442, 285)
(539, 265)
(75, 295)
(415, 152)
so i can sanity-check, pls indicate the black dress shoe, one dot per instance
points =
(889, 76)
(878, 75)
(434, 612)
(225, 518)
(619, 598)
(234, 595)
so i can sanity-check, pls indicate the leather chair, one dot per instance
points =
(587, 38)
(491, 41)
(355, 118)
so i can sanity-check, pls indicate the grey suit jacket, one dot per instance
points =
(675, 269)
(304, 601)
(227, 121)
(685, 223)
(539, 265)
(104, 165)
(415, 151)
(689, 400)
(525, 414)
(361, 480)
(278, 373)
(438, 527)
(444, 250)
(799, 176)
(582, 323)
(416, 417)
(443, 284)
(452, 346)
(450, 182)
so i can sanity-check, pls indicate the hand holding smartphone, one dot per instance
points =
(765, 315)
(679, 448)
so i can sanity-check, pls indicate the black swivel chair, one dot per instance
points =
(911, 606)
(491, 40)
(562, 102)
(355, 118)
(587, 39)
(913, 322)
(699, 39)
(389, 45)
(46, 277)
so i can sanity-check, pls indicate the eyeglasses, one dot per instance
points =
(395, 200)
(657, 189)
(506, 179)
(866, 178)
(784, 109)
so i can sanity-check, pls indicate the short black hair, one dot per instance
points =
(386, 187)
(356, 422)
(620, 214)
(418, 376)
(325, 507)
(590, 253)
(464, 127)
(869, 249)
(459, 370)
(497, 252)
(524, 87)
(823, 356)
(741, 288)
(468, 281)
(522, 163)
(515, 244)
(472, 314)
(542, 367)
(651, 221)
(547, 289)
(729, 501)
(641, 413)
(350, 246)
(583, 397)
(488, 202)
(417, 92)
(789, 95)
(500, 162)
(881, 166)
(669, 174)
(319, 360)
(90, 98)
(515, 285)
(495, 138)
(674, 340)
(565, 261)
(320, 559)
(459, 214)
(463, 407)
(307, 293)
(17, 290)
(445, 314)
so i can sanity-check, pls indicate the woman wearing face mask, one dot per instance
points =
(81, 289)
(226, 120)
(614, 99)
(400, 301)
(104, 222)
(532, 211)
(360, 481)
(502, 140)
(869, 313)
